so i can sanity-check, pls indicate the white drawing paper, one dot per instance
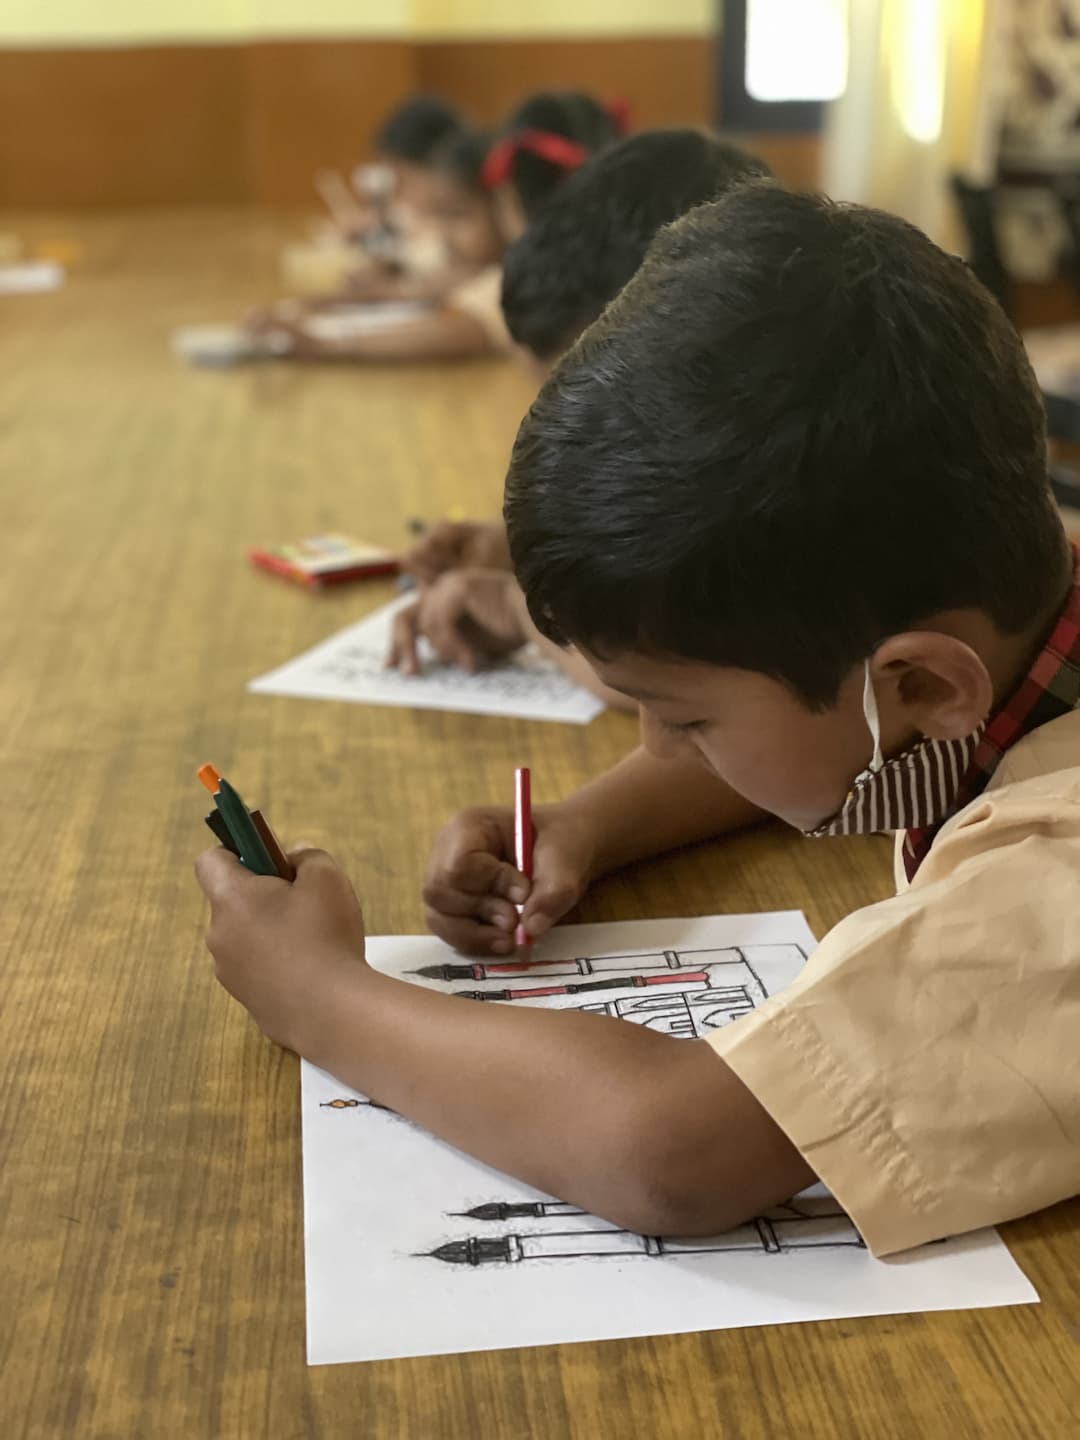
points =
(413, 1248)
(30, 277)
(224, 345)
(343, 322)
(351, 665)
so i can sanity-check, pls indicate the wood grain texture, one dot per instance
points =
(150, 1148)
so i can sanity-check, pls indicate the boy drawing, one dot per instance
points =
(789, 494)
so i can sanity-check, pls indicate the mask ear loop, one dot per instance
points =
(873, 722)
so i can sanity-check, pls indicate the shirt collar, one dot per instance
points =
(1050, 689)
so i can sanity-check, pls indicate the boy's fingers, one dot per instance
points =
(458, 885)
(419, 567)
(430, 557)
(442, 613)
(216, 869)
(509, 882)
(470, 936)
(316, 867)
(549, 901)
(403, 645)
(311, 858)
(499, 913)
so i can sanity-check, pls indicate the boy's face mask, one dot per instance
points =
(916, 790)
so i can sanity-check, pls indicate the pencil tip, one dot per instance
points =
(210, 777)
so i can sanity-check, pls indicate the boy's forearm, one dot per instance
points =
(584, 1107)
(644, 806)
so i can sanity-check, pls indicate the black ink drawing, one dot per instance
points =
(529, 678)
(640, 962)
(683, 993)
(351, 1102)
(808, 1222)
(517, 1210)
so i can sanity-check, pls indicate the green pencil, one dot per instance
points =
(249, 843)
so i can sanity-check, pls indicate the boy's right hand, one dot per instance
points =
(472, 886)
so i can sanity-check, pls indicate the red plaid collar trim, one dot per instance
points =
(1050, 689)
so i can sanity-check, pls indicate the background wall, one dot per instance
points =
(136, 102)
(67, 22)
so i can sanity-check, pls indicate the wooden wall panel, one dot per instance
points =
(231, 124)
(315, 103)
(154, 125)
(668, 81)
(794, 159)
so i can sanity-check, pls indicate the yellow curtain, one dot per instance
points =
(925, 88)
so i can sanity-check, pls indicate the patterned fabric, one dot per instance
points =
(917, 788)
(1050, 689)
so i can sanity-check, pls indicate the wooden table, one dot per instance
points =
(152, 1253)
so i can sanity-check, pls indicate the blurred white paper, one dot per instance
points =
(224, 345)
(30, 277)
(345, 321)
(413, 1248)
(351, 665)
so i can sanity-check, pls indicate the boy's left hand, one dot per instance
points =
(286, 951)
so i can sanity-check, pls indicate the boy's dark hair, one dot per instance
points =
(800, 429)
(415, 129)
(592, 235)
(462, 156)
(569, 113)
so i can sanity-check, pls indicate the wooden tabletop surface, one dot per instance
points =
(150, 1218)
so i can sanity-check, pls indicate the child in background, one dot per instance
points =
(403, 146)
(579, 252)
(547, 138)
(790, 493)
(461, 323)
(409, 137)
(476, 199)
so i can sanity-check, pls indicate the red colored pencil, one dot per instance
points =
(523, 838)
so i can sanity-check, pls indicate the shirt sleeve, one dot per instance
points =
(926, 1062)
(481, 297)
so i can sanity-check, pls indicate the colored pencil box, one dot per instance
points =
(326, 560)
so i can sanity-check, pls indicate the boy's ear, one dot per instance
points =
(937, 682)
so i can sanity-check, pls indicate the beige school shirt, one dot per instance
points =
(926, 1062)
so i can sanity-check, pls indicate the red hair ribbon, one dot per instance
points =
(619, 110)
(548, 146)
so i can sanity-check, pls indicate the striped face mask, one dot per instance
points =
(917, 789)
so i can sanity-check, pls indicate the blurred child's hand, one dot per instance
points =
(455, 545)
(285, 951)
(471, 886)
(468, 617)
(282, 315)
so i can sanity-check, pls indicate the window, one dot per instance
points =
(781, 61)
